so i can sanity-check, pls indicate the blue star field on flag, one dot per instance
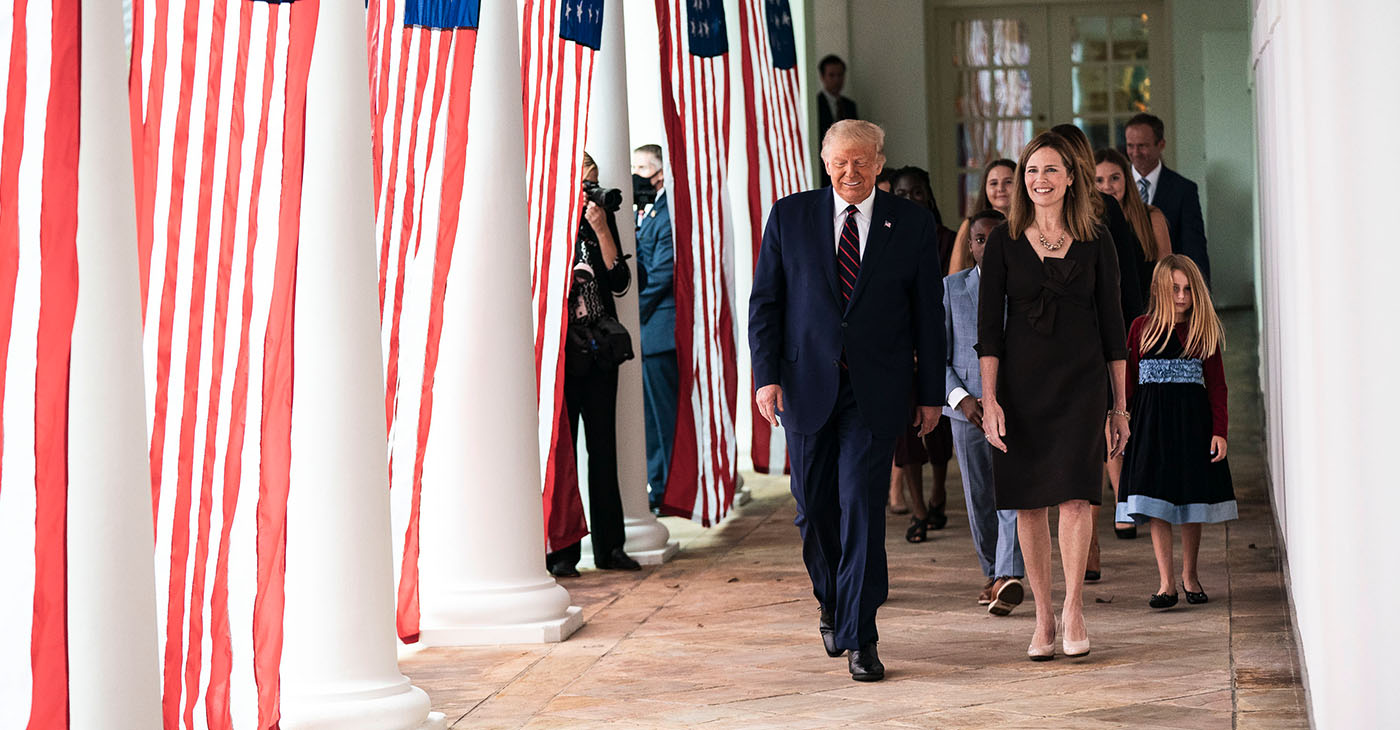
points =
(581, 21)
(708, 34)
(442, 14)
(780, 39)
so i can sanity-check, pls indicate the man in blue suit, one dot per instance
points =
(993, 531)
(656, 300)
(1178, 198)
(847, 289)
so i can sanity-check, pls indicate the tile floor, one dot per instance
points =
(724, 636)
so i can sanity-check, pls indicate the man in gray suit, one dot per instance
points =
(993, 530)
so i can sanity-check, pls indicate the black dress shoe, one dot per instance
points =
(1162, 600)
(1126, 533)
(865, 664)
(617, 560)
(563, 571)
(827, 626)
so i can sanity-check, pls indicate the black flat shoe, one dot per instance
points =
(937, 519)
(617, 560)
(827, 626)
(1126, 533)
(865, 664)
(1196, 598)
(563, 571)
(1162, 600)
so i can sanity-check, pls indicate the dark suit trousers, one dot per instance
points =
(592, 396)
(661, 383)
(840, 478)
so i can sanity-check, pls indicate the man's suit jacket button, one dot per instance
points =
(843, 325)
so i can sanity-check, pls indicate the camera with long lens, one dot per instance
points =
(609, 199)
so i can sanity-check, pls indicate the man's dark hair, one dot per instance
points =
(651, 149)
(828, 60)
(887, 175)
(1158, 128)
(990, 214)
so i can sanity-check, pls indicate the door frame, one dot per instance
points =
(942, 85)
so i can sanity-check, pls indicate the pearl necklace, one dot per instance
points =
(1057, 245)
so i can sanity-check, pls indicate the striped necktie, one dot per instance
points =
(848, 255)
(1142, 188)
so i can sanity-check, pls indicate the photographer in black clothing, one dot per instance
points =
(592, 353)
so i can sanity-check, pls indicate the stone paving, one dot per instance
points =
(724, 636)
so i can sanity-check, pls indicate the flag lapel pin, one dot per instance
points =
(888, 224)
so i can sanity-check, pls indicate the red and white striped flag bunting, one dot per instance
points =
(558, 41)
(421, 59)
(40, 52)
(776, 148)
(218, 93)
(695, 109)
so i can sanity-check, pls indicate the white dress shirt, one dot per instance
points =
(1151, 179)
(864, 209)
(956, 395)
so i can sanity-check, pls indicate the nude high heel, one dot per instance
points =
(1042, 652)
(1075, 649)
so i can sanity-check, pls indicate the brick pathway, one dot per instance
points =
(725, 635)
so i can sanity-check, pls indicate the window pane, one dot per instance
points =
(1132, 91)
(968, 183)
(1012, 136)
(1089, 87)
(976, 143)
(970, 39)
(1090, 41)
(1096, 130)
(1009, 44)
(1130, 38)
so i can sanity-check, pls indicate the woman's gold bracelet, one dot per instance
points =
(1115, 412)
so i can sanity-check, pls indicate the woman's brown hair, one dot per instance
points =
(1133, 207)
(983, 202)
(1079, 214)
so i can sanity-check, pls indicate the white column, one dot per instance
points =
(648, 541)
(113, 662)
(339, 665)
(482, 573)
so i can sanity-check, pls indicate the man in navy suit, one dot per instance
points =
(847, 289)
(1177, 197)
(656, 302)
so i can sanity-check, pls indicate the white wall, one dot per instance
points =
(886, 75)
(1208, 141)
(1328, 265)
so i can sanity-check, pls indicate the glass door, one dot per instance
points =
(1004, 74)
(991, 97)
(1106, 66)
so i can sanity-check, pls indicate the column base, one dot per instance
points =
(537, 632)
(648, 541)
(656, 556)
(398, 706)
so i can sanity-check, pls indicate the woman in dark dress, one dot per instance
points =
(1052, 269)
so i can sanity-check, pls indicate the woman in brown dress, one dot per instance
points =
(1052, 269)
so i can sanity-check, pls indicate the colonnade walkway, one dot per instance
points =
(724, 636)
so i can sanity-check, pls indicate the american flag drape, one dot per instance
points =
(218, 92)
(775, 146)
(38, 300)
(421, 54)
(695, 109)
(558, 42)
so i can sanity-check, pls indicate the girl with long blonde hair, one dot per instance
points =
(1175, 472)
